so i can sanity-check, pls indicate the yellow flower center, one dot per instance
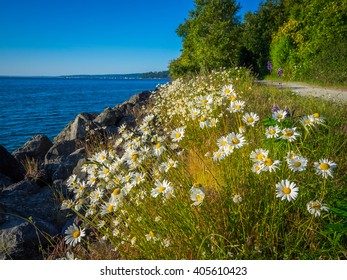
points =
(224, 143)
(289, 133)
(158, 145)
(204, 101)
(324, 166)
(203, 119)
(316, 115)
(260, 157)
(103, 157)
(297, 164)
(235, 141)
(151, 233)
(110, 208)
(287, 190)
(134, 156)
(116, 192)
(233, 98)
(106, 171)
(316, 206)
(307, 121)
(76, 234)
(279, 116)
(198, 198)
(238, 106)
(272, 131)
(227, 91)
(250, 120)
(257, 168)
(268, 162)
(161, 189)
(178, 135)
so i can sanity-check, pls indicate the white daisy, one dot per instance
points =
(297, 163)
(74, 235)
(279, 115)
(161, 188)
(325, 167)
(258, 167)
(236, 106)
(177, 134)
(250, 118)
(197, 195)
(290, 134)
(287, 190)
(237, 140)
(272, 131)
(259, 155)
(271, 165)
(204, 122)
(316, 207)
(237, 198)
(317, 118)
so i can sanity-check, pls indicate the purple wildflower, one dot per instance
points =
(269, 66)
(275, 108)
(279, 72)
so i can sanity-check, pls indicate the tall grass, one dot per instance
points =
(175, 190)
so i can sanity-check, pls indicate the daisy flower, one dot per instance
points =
(272, 131)
(317, 118)
(286, 190)
(236, 106)
(257, 167)
(74, 235)
(250, 118)
(197, 196)
(259, 155)
(177, 134)
(271, 165)
(161, 188)
(151, 236)
(237, 198)
(316, 207)
(290, 134)
(297, 163)
(158, 148)
(219, 155)
(279, 115)
(307, 121)
(204, 122)
(166, 242)
(236, 140)
(325, 167)
(228, 90)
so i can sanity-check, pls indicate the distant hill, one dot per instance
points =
(148, 75)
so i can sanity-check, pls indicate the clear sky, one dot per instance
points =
(58, 37)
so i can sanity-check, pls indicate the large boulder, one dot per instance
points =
(76, 129)
(28, 217)
(35, 148)
(66, 167)
(57, 154)
(9, 166)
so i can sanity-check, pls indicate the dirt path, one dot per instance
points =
(336, 95)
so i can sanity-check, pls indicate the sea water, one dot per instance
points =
(30, 106)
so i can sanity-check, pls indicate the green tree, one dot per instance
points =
(210, 37)
(257, 31)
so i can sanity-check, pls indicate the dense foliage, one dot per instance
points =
(306, 38)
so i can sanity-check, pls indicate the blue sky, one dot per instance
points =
(58, 37)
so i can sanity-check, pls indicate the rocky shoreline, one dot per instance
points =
(34, 174)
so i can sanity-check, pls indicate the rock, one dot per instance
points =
(36, 148)
(56, 155)
(67, 166)
(78, 170)
(27, 211)
(77, 129)
(9, 166)
(4, 181)
(109, 117)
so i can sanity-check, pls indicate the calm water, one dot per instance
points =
(30, 106)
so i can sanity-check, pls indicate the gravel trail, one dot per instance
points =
(332, 94)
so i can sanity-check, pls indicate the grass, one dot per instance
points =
(153, 193)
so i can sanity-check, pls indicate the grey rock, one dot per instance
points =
(9, 166)
(56, 155)
(35, 148)
(76, 129)
(67, 166)
(29, 215)
(4, 181)
(108, 117)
